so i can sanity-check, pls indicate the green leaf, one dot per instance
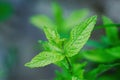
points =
(44, 58)
(49, 46)
(111, 32)
(115, 51)
(58, 15)
(41, 20)
(52, 35)
(99, 70)
(79, 36)
(99, 55)
(76, 17)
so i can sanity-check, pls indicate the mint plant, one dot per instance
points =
(59, 49)
(66, 37)
(63, 48)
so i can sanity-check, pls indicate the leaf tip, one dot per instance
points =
(95, 17)
(28, 65)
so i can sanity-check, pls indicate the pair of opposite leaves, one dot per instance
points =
(78, 37)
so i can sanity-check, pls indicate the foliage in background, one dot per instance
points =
(6, 10)
(109, 52)
(111, 40)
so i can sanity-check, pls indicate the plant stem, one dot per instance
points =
(69, 65)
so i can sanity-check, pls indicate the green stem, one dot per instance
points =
(69, 65)
(107, 25)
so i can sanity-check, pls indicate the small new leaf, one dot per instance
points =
(52, 35)
(76, 17)
(40, 21)
(79, 36)
(44, 58)
(58, 16)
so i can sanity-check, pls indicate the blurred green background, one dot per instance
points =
(19, 38)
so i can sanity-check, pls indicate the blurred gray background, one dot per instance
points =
(18, 37)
